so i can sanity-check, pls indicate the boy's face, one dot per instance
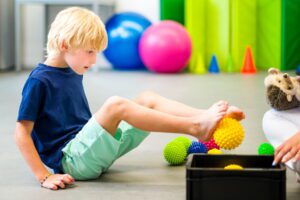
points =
(80, 60)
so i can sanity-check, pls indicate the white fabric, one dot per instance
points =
(279, 126)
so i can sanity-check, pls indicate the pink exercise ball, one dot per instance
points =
(165, 47)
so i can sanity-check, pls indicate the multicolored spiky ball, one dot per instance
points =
(233, 167)
(186, 141)
(211, 144)
(175, 153)
(197, 147)
(266, 149)
(215, 151)
(229, 133)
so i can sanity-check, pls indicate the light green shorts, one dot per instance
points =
(93, 150)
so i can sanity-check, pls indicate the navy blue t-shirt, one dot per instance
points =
(54, 99)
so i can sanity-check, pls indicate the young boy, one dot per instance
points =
(55, 125)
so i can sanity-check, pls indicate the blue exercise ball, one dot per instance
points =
(124, 31)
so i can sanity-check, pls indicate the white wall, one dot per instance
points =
(148, 8)
(6, 34)
(34, 22)
(33, 35)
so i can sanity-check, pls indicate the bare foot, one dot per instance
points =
(206, 123)
(217, 105)
(235, 113)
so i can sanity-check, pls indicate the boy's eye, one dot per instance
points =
(90, 52)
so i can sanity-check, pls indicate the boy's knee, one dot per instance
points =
(114, 105)
(147, 99)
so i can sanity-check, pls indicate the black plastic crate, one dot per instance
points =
(206, 178)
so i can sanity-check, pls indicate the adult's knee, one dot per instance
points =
(276, 128)
(267, 119)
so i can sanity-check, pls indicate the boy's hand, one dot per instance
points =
(57, 181)
(289, 149)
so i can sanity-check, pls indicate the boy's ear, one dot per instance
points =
(298, 79)
(273, 71)
(64, 47)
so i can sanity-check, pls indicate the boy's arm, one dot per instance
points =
(29, 152)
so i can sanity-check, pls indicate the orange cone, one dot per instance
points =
(248, 64)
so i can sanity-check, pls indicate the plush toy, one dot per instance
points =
(283, 91)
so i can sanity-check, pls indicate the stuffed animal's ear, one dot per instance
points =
(285, 75)
(273, 71)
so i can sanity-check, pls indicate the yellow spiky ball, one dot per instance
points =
(233, 167)
(229, 133)
(215, 151)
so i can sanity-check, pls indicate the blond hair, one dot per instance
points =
(76, 27)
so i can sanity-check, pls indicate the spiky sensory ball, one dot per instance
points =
(265, 149)
(211, 144)
(186, 141)
(229, 133)
(215, 151)
(175, 153)
(233, 167)
(197, 147)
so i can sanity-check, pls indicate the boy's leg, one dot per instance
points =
(94, 149)
(90, 153)
(160, 103)
(129, 138)
(116, 109)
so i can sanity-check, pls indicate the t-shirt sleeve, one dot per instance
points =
(32, 100)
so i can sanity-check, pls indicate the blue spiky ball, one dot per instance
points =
(197, 147)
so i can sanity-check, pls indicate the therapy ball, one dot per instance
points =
(197, 147)
(215, 151)
(165, 47)
(124, 31)
(186, 141)
(266, 149)
(229, 133)
(233, 167)
(175, 153)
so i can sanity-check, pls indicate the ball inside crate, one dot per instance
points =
(259, 180)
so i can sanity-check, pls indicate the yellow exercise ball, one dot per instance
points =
(229, 133)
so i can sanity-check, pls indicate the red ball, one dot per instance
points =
(210, 144)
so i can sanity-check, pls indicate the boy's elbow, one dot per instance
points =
(17, 137)
(22, 131)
